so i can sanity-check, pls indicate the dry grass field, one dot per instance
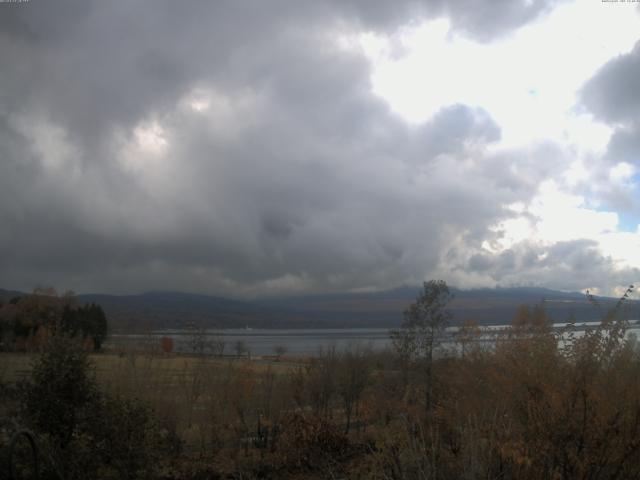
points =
(179, 387)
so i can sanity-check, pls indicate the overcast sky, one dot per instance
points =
(250, 147)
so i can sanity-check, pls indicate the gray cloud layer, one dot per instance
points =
(482, 20)
(295, 178)
(612, 96)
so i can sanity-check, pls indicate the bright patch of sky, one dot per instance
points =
(628, 222)
(529, 83)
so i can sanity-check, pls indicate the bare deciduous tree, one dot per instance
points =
(353, 377)
(421, 332)
(279, 350)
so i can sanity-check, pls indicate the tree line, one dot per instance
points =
(26, 322)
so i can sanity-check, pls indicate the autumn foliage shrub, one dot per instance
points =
(307, 442)
(542, 402)
(83, 432)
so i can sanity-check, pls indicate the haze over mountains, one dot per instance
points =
(157, 309)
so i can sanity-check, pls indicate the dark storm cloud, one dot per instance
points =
(292, 176)
(344, 203)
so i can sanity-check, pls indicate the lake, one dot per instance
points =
(299, 341)
(265, 341)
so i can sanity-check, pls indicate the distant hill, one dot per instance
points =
(485, 306)
(153, 310)
(175, 310)
(6, 295)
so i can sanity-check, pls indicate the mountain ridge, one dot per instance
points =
(174, 309)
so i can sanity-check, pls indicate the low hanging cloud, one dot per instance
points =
(567, 265)
(237, 148)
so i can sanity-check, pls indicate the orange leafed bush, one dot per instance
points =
(166, 344)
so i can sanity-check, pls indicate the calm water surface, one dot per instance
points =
(265, 341)
(299, 341)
